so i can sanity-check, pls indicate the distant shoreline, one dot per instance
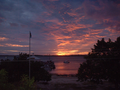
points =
(48, 55)
(65, 75)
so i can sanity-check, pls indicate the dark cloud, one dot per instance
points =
(98, 26)
(67, 17)
(118, 27)
(66, 33)
(105, 9)
(1, 20)
(87, 21)
(6, 5)
(1, 16)
(60, 8)
(108, 10)
(14, 24)
(104, 33)
(22, 12)
(80, 32)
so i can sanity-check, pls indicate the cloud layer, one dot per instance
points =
(61, 27)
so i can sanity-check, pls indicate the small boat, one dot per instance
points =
(66, 61)
(47, 67)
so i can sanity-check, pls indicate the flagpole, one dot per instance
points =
(29, 51)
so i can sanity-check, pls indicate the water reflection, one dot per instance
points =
(62, 72)
(59, 66)
(63, 68)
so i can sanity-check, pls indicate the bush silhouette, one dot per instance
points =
(103, 62)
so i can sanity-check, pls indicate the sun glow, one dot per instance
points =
(61, 53)
(67, 52)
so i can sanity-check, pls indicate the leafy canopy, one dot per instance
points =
(103, 62)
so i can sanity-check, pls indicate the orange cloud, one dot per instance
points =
(72, 27)
(58, 36)
(83, 53)
(16, 45)
(3, 38)
(62, 44)
(1, 45)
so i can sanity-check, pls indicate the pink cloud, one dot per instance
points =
(15, 45)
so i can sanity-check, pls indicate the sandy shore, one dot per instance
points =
(63, 79)
(70, 83)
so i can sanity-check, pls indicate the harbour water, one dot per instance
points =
(65, 68)
(61, 68)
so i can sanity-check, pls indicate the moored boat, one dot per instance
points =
(66, 61)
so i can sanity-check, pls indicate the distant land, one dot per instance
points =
(60, 55)
(47, 55)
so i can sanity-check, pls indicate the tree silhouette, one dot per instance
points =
(103, 62)
(20, 66)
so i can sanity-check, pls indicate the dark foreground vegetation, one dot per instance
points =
(19, 67)
(102, 63)
(24, 84)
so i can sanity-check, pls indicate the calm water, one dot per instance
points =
(4, 57)
(61, 68)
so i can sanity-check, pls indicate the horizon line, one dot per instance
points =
(45, 55)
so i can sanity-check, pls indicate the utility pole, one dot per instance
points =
(29, 51)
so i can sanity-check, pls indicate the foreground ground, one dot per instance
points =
(70, 83)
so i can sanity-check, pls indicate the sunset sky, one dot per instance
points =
(58, 27)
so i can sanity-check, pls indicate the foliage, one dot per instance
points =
(17, 68)
(3, 76)
(4, 85)
(26, 83)
(38, 72)
(22, 56)
(103, 62)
